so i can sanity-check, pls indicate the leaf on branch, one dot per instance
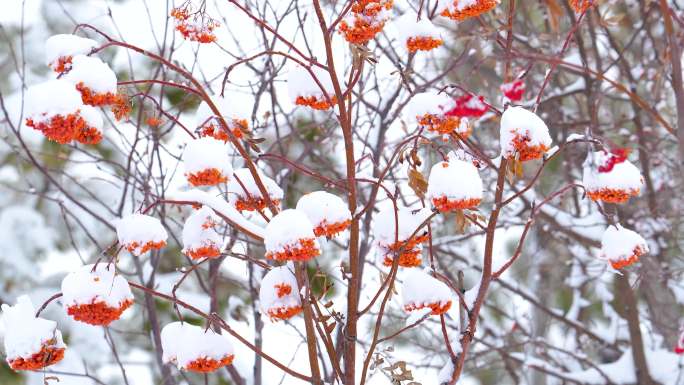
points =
(612, 20)
(417, 183)
(329, 328)
(403, 374)
(462, 222)
(415, 159)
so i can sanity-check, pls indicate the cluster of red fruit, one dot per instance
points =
(468, 106)
(616, 156)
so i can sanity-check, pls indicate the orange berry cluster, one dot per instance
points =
(636, 253)
(305, 250)
(367, 20)
(480, 7)
(64, 129)
(208, 177)
(131, 247)
(611, 195)
(253, 203)
(48, 355)
(283, 289)
(194, 28)
(283, 312)
(239, 127)
(208, 365)
(63, 64)
(409, 252)
(98, 313)
(331, 229)
(580, 6)
(444, 204)
(525, 151)
(204, 252)
(423, 43)
(118, 102)
(443, 125)
(315, 102)
(436, 307)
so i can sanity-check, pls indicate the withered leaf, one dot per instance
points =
(417, 183)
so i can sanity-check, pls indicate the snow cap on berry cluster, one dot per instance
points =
(53, 97)
(246, 187)
(621, 176)
(421, 290)
(300, 83)
(408, 222)
(408, 28)
(518, 124)
(93, 73)
(428, 103)
(139, 232)
(323, 208)
(279, 293)
(287, 229)
(622, 246)
(183, 343)
(456, 180)
(207, 153)
(93, 284)
(27, 334)
(65, 47)
(199, 234)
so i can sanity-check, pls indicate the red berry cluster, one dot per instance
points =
(616, 156)
(514, 91)
(466, 107)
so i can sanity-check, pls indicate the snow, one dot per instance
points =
(140, 229)
(323, 207)
(623, 176)
(407, 27)
(417, 315)
(444, 376)
(236, 190)
(619, 243)
(220, 205)
(198, 231)
(664, 368)
(456, 179)
(301, 83)
(65, 45)
(384, 224)
(93, 73)
(286, 229)
(575, 137)
(207, 153)
(268, 292)
(420, 288)
(183, 343)
(226, 107)
(85, 286)
(43, 103)
(519, 121)
(428, 103)
(28, 332)
(92, 116)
